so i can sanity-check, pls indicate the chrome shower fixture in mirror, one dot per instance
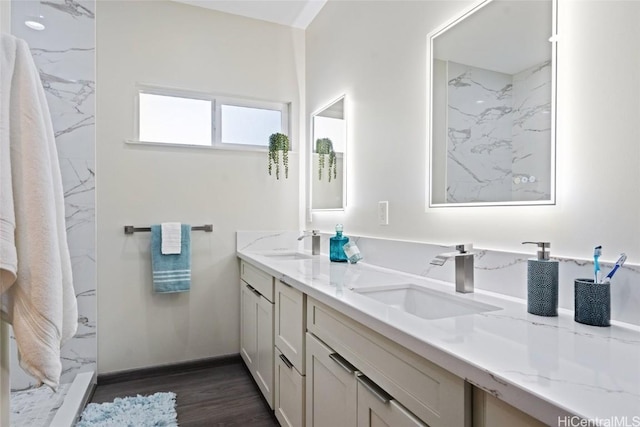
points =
(328, 157)
(492, 73)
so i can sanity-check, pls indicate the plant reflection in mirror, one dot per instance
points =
(324, 146)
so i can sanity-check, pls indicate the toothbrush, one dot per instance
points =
(619, 263)
(597, 251)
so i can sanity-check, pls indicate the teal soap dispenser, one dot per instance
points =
(542, 282)
(336, 243)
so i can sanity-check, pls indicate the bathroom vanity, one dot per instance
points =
(318, 366)
(350, 346)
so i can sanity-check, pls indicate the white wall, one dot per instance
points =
(375, 52)
(175, 45)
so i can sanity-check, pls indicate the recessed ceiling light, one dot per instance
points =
(35, 23)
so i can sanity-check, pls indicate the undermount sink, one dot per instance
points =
(425, 303)
(288, 256)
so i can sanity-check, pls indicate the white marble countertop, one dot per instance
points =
(548, 367)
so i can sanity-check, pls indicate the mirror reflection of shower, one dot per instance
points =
(492, 96)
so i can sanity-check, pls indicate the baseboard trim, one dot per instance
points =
(173, 368)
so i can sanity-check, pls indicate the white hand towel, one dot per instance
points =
(41, 304)
(171, 238)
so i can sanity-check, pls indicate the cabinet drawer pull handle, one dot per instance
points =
(379, 393)
(254, 290)
(286, 361)
(286, 284)
(343, 363)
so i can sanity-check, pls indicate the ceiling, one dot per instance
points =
(294, 13)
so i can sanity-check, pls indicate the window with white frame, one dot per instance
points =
(185, 118)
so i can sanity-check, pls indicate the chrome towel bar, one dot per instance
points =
(130, 229)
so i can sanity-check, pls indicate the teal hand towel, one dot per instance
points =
(171, 273)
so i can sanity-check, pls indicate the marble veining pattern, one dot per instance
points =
(71, 7)
(546, 366)
(65, 54)
(532, 133)
(268, 240)
(36, 407)
(498, 134)
(479, 122)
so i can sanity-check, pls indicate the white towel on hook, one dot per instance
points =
(41, 304)
(171, 238)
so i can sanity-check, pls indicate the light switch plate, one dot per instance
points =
(383, 213)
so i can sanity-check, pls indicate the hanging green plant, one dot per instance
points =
(279, 142)
(324, 146)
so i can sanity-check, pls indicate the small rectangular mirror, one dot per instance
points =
(328, 157)
(492, 98)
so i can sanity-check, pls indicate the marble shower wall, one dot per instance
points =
(65, 56)
(497, 134)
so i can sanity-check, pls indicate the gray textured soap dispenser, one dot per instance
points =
(542, 282)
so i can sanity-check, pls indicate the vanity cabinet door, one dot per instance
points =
(331, 387)
(489, 411)
(256, 338)
(248, 332)
(264, 359)
(290, 324)
(289, 392)
(376, 408)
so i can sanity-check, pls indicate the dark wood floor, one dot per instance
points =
(217, 396)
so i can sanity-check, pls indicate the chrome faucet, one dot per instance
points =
(464, 266)
(315, 241)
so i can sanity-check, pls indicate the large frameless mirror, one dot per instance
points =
(328, 156)
(492, 105)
